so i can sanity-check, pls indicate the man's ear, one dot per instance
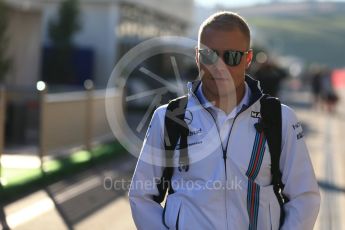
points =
(249, 58)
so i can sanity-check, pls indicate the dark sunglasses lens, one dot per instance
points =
(232, 58)
(208, 57)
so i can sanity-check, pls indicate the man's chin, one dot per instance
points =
(224, 86)
(220, 87)
(220, 79)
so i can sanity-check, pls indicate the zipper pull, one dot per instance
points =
(224, 154)
(224, 157)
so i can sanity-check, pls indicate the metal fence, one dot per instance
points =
(65, 120)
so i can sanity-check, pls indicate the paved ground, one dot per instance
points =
(325, 140)
(85, 202)
(94, 199)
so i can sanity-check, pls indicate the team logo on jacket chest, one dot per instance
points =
(255, 114)
(188, 117)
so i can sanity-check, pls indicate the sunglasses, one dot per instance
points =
(230, 57)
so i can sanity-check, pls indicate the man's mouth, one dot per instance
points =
(220, 78)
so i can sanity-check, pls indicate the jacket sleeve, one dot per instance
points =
(146, 213)
(298, 176)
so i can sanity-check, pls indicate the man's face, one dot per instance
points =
(220, 79)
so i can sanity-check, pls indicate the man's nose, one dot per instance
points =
(220, 65)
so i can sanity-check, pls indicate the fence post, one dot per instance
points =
(2, 127)
(42, 91)
(88, 84)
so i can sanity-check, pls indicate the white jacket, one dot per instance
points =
(216, 193)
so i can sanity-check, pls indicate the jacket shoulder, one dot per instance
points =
(288, 114)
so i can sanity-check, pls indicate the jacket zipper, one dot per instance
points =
(226, 174)
(220, 139)
(221, 143)
(224, 152)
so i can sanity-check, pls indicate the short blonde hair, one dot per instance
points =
(225, 20)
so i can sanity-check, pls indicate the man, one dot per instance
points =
(228, 182)
(270, 77)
